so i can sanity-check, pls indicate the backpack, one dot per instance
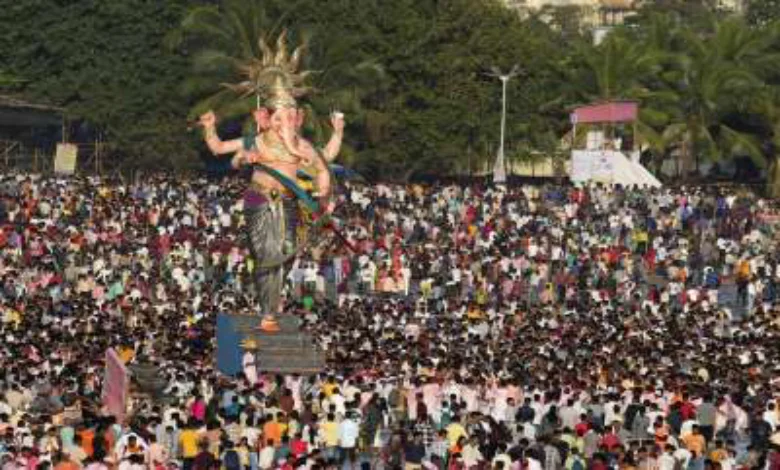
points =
(231, 460)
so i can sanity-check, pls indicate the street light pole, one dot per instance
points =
(499, 168)
(504, 80)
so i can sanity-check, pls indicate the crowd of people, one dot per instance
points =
(529, 327)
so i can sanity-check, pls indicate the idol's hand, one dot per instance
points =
(208, 119)
(337, 121)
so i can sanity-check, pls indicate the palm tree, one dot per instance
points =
(773, 164)
(618, 67)
(223, 39)
(347, 88)
(713, 81)
(220, 41)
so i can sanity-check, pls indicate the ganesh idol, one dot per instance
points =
(276, 151)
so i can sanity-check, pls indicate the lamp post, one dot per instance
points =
(499, 168)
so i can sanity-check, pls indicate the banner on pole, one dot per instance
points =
(116, 385)
(499, 170)
(65, 159)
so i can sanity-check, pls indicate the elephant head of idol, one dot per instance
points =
(275, 80)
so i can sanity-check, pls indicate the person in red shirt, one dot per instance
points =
(650, 259)
(687, 409)
(583, 426)
(610, 439)
(299, 446)
(598, 463)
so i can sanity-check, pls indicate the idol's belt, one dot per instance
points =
(272, 194)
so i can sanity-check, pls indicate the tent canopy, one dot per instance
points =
(616, 111)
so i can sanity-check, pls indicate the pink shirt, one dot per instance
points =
(98, 292)
(411, 403)
(198, 410)
(431, 393)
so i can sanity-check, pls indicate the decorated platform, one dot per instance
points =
(288, 351)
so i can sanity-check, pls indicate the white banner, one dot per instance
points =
(609, 167)
(65, 159)
(499, 170)
(592, 165)
(602, 167)
(580, 166)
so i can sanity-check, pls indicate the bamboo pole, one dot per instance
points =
(97, 157)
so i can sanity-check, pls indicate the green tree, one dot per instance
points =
(762, 12)
(717, 79)
(219, 40)
(695, 81)
(102, 60)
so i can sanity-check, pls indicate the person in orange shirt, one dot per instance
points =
(720, 453)
(457, 448)
(661, 433)
(87, 441)
(695, 441)
(272, 430)
(126, 353)
(66, 463)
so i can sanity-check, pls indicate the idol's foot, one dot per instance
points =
(269, 324)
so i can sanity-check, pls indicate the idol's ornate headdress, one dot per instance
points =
(274, 77)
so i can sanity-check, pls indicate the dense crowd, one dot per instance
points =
(465, 327)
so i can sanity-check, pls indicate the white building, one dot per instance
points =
(594, 12)
(600, 13)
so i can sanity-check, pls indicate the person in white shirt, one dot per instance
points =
(250, 367)
(129, 444)
(687, 427)
(529, 432)
(135, 462)
(338, 400)
(666, 461)
(683, 456)
(349, 431)
(538, 408)
(351, 391)
(266, 457)
(770, 416)
(471, 454)
(532, 463)
(569, 414)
